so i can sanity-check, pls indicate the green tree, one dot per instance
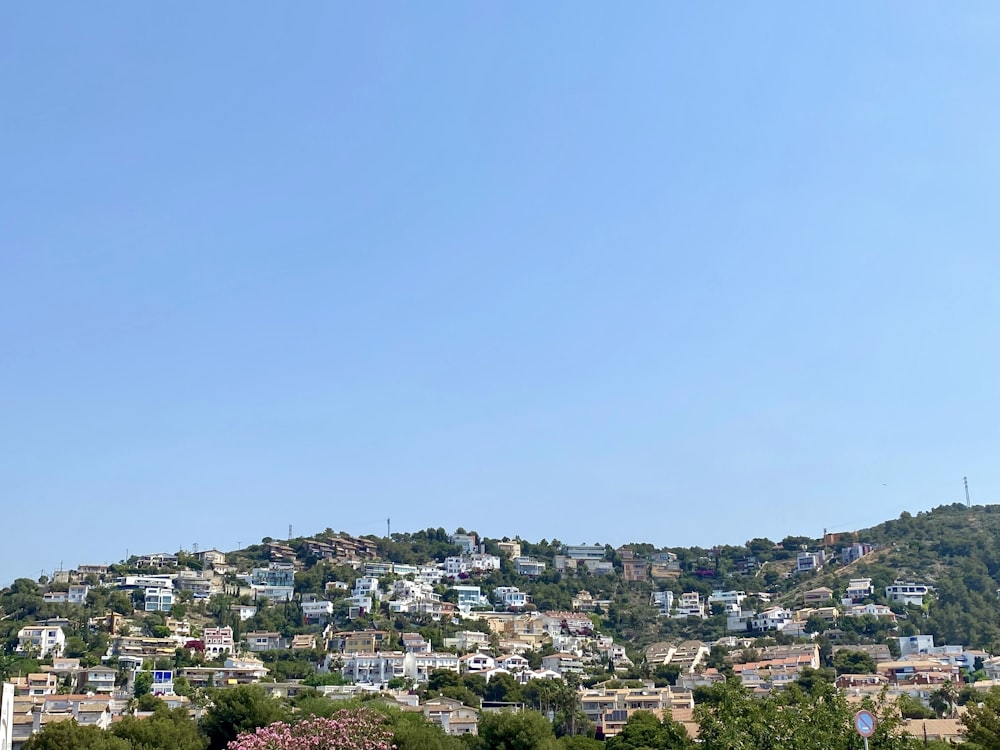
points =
(442, 678)
(912, 708)
(853, 662)
(236, 710)
(411, 731)
(526, 730)
(68, 735)
(666, 674)
(982, 721)
(165, 730)
(142, 684)
(944, 700)
(580, 742)
(503, 688)
(792, 719)
(643, 731)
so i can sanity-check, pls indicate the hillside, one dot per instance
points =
(953, 548)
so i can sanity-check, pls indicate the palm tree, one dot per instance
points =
(944, 700)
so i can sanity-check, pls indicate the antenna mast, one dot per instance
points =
(968, 502)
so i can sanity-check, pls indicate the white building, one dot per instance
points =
(367, 586)
(142, 582)
(690, 605)
(42, 640)
(378, 669)
(317, 612)
(218, 641)
(874, 610)
(663, 601)
(907, 593)
(274, 593)
(359, 606)
(467, 640)
(455, 566)
(510, 597)
(467, 542)
(775, 618)
(858, 589)
(584, 551)
(158, 600)
(731, 600)
(915, 644)
(808, 561)
(429, 574)
(482, 562)
(243, 611)
(77, 593)
(469, 597)
(526, 566)
(477, 662)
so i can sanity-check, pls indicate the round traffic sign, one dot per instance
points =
(864, 723)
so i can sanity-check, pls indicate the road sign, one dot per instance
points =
(864, 723)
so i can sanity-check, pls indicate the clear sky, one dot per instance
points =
(685, 273)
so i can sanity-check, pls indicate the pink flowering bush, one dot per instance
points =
(357, 729)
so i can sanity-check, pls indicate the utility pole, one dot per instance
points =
(388, 528)
(968, 501)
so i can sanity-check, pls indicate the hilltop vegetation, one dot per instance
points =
(954, 549)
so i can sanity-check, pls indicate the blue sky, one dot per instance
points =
(678, 273)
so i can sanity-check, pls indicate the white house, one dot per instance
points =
(513, 663)
(317, 612)
(218, 641)
(510, 597)
(874, 610)
(429, 574)
(466, 542)
(274, 593)
(526, 566)
(663, 601)
(456, 566)
(478, 662)
(690, 605)
(467, 640)
(469, 597)
(359, 606)
(146, 581)
(775, 618)
(480, 561)
(915, 644)
(42, 640)
(858, 589)
(367, 586)
(77, 593)
(907, 593)
(243, 611)
(158, 599)
(731, 599)
(563, 663)
(379, 668)
(808, 561)
(99, 679)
